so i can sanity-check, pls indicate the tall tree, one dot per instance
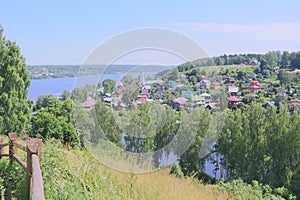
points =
(14, 84)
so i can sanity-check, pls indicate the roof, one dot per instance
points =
(88, 104)
(253, 86)
(180, 100)
(233, 88)
(295, 101)
(234, 99)
(204, 95)
(197, 98)
(252, 95)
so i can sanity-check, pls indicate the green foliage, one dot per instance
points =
(107, 125)
(259, 144)
(53, 120)
(176, 170)
(109, 85)
(14, 84)
(13, 180)
(256, 190)
(132, 89)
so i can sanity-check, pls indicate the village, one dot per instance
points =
(192, 89)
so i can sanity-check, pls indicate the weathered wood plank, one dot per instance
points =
(4, 145)
(20, 161)
(13, 136)
(20, 146)
(37, 187)
(34, 145)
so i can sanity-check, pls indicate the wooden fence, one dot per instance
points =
(33, 148)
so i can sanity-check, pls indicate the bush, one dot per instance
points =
(176, 170)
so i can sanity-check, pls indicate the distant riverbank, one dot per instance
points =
(56, 86)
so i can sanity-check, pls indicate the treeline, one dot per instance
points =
(58, 71)
(263, 145)
(268, 61)
(255, 143)
(221, 60)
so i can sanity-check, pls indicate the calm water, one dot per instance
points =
(56, 86)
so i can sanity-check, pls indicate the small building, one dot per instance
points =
(233, 90)
(198, 100)
(146, 89)
(254, 63)
(187, 93)
(141, 99)
(88, 105)
(172, 84)
(206, 97)
(215, 85)
(255, 86)
(229, 80)
(205, 84)
(179, 103)
(232, 101)
(252, 95)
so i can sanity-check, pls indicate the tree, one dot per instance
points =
(14, 84)
(66, 94)
(53, 120)
(109, 85)
(284, 77)
(173, 75)
(270, 60)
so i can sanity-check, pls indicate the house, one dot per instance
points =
(233, 90)
(172, 84)
(179, 103)
(215, 85)
(146, 89)
(252, 95)
(198, 100)
(183, 76)
(232, 101)
(270, 103)
(255, 86)
(229, 80)
(205, 84)
(201, 78)
(87, 105)
(108, 99)
(293, 106)
(206, 97)
(187, 93)
(254, 63)
(141, 98)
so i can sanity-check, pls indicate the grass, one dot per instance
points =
(75, 174)
(210, 69)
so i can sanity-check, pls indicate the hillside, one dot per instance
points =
(76, 174)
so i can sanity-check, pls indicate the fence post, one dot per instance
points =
(33, 147)
(1, 148)
(12, 137)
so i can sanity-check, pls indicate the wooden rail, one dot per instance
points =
(33, 148)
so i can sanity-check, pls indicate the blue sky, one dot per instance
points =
(65, 32)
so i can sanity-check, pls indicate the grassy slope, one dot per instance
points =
(210, 69)
(76, 174)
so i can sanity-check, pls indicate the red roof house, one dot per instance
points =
(232, 101)
(255, 86)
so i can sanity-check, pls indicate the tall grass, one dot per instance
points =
(75, 174)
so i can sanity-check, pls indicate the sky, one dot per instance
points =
(66, 32)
